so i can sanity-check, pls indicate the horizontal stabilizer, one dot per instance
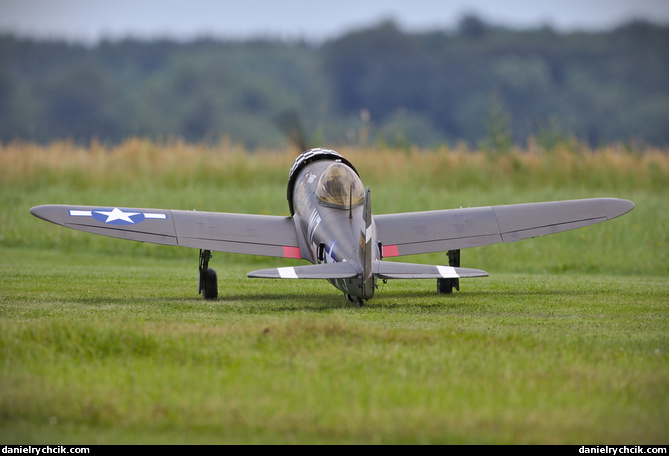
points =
(313, 271)
(394, 270)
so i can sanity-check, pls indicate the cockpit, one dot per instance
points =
(340, 186)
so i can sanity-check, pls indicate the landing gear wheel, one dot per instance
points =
(210, 287)
(208, 283)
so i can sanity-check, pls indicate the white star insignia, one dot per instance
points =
(118, 214)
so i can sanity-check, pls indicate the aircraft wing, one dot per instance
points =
(235, 233)
(437, 231)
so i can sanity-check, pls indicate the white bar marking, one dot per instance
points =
(447, 272)
(81, 213)
(154, 216)
(287, 273)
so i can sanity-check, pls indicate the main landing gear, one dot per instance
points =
(445, 286)
(208, 283)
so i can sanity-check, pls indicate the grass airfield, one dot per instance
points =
(107, 341)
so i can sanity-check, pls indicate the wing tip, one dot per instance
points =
(43, 211)
(615, 207)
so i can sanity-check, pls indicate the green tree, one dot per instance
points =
(498, 133)
(81, 102)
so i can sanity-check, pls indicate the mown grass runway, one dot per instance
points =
(107, 341)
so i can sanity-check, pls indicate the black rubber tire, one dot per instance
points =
(210, 286)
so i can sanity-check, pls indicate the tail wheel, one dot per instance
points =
(357, 301)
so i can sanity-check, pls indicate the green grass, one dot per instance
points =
(107, 341)
(107, 350)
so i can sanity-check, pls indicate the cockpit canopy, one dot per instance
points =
(340, 186)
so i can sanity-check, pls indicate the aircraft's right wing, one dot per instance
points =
(452, 229)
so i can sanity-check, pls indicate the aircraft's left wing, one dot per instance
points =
(235, 233)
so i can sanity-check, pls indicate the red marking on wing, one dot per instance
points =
(390, 251)
(292, 252)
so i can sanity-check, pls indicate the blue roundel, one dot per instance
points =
(116, 216)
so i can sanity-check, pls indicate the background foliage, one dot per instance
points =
(480, 83)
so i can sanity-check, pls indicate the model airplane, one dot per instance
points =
(331, 225)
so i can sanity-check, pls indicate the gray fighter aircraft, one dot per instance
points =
(331, 225)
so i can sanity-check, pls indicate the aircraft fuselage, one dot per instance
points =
(331, 227)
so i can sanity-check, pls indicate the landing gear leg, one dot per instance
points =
(208, 283)
(445, 286)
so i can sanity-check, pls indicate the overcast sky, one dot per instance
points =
(90, 20)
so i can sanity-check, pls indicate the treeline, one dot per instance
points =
(486, 85)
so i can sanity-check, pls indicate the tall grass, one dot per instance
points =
(176, 163)
(135, 162)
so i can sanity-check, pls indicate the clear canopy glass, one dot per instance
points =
(340, 186)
